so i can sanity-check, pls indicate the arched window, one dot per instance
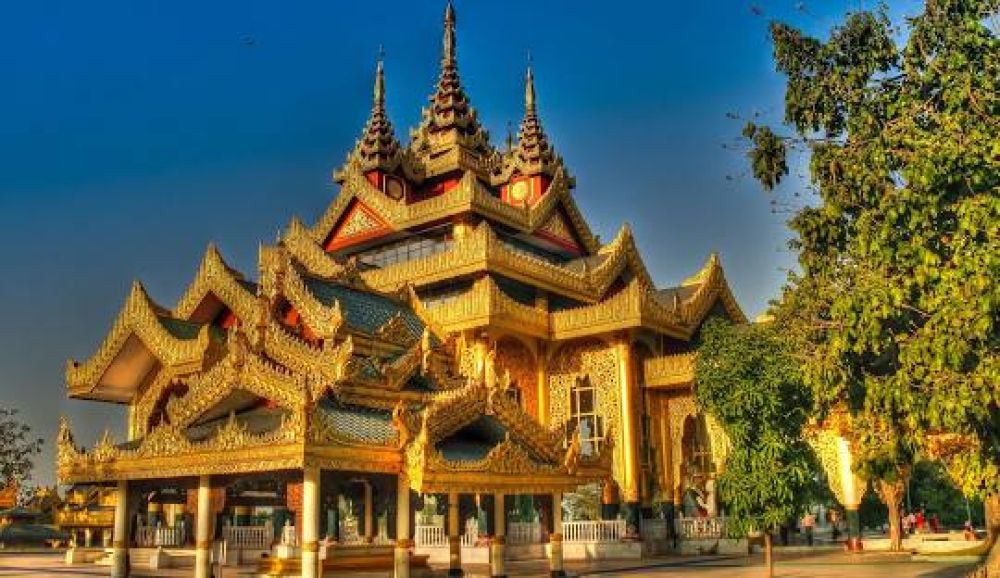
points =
(584, 416)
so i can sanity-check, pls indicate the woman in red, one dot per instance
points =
(921, 522)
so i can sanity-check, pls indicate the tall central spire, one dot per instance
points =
(449, 122)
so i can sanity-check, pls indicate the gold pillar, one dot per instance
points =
(88, 537)
(369, 513)
(119, 540)
(310, 522)
(454, 538)
(556, 538)
(203, 529)
(543, 383)
(666, 476)
(401, 555)
(497, 546)
(629, 433)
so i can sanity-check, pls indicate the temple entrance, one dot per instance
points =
(698, 470)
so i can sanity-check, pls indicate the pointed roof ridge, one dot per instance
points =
(378, 147)
(450, 119)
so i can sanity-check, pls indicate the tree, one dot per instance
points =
(749, 380)
(900, 254)
(17, 448)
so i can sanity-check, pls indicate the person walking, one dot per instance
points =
(808, 524)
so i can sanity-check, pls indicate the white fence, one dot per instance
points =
(524, 533)
(430, 536)
(594, 531)
(249, 537)
(700, 528)
(153, 536)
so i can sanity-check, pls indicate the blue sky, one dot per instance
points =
(134, 132)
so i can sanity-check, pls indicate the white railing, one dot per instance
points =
(249, 537)
(471, 535)
(654, 529)
(524, 533)
(153, 536)
(594, 531)
(700, 528)
(430, 536)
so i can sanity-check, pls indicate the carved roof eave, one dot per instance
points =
(670, 371)
(470, 196)
(281, 278)
(328, 360)
(217, 278)
(139, 317)
(167, 452)
(712, 286)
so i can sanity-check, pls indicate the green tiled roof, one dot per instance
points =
(369, 424)
(363, 310)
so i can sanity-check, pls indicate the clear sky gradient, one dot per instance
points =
(134, 132)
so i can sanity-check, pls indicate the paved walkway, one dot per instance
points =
(819, 565)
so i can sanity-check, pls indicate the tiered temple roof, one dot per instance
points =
(329, 358)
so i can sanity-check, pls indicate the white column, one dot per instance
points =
(203, 529)
(403, 542)
(454, 538)
(556, 538)
(497, 550)
(88, 537)
(310, 522)
(119, 539)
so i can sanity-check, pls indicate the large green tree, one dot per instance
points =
(17, 448)
(900, 254)
(750, 381)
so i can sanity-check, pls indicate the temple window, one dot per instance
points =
(584, 416)
(405, 250)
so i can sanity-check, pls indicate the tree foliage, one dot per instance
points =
(17, 448)
(900, 256)
(748, 379)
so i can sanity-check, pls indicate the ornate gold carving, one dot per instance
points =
(139, 317)
(679, 408)
(396, 331)
(670, 370)
(217, 278)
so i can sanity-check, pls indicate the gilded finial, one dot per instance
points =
(449, 33)
(529, 88)
(380, 79)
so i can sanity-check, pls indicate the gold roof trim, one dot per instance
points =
(140, 317)
(670, 370)
(217, 278)
(469, 196)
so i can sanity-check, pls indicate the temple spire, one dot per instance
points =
(533, 153)
(449, 122)
(377, 148)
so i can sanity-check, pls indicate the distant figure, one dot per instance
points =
(907, 525)
(808, 524)
(911, 522)
(935, 524)
(921, 522)
(967, 532)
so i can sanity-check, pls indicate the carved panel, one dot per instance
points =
(514, 356)
(600, 362)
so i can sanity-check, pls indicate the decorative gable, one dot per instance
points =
(359, 224)
(558, 230)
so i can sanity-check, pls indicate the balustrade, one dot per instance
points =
(154, 536)
(700, 528)
(524, 533)
(431, 536)
(249, 537)
(594, 531)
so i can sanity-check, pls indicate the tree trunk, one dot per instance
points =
(768, 556)
(891, 494)
(992, 506)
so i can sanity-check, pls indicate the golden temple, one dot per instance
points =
(450, 326)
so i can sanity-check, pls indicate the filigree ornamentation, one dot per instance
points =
(680, 409)
(396, 331)
(670, 370)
